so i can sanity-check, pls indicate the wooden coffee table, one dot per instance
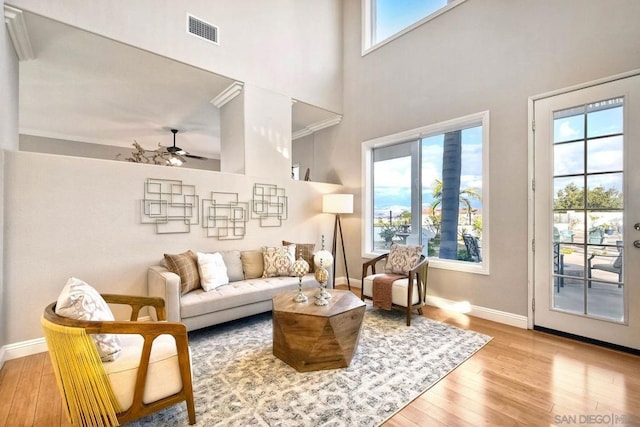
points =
(312, 338)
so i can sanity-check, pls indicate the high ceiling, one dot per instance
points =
(84, 87)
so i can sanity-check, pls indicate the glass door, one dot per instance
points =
(586, 191)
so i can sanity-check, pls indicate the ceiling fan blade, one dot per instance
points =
(193, 156)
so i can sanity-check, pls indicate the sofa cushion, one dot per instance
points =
(184, 265)
(252, 264)
(213, 271)
(402, 258)
(78, 300)
(304, 251)
(234, 265)
(237, 294)
(278, 260)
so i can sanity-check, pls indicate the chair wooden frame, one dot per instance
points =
(149, 331)
(417, 273)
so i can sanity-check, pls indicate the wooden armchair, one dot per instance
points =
(153, 370)
(408, 293)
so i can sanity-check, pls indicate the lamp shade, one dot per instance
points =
(337, 203)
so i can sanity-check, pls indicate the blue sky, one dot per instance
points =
(395, 15)
(603, 154)
(393, 177)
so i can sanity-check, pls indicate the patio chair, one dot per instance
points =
(473, 249)
(408, 291)
(596, 236)
(152, 371)
(611, 267)
(558, 266)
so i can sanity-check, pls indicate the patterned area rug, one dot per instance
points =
(238, 381)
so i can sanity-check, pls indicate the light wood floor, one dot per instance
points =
(521, 378)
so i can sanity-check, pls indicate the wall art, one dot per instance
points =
(173, 207)
(224, 217)
(269, 205)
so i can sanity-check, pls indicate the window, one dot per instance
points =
(429, 186)
(385, 20)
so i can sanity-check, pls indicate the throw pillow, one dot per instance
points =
(213, 271)
(278, 260)
(304, 251)
(234, 265)
(402, 258)
(184, 265)
(80, 301)
(252, 264)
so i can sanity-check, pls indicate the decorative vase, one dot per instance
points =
(322, 275)
(300, 268)
(321, 259)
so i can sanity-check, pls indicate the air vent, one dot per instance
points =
(202, 29)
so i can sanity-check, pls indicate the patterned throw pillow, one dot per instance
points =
(402, 258)
(304, 251)
(80, 301)
(213, 271)
(278, 260)
(184, 265)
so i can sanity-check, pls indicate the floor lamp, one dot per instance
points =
(338, 204)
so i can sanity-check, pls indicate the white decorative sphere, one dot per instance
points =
(323, 256)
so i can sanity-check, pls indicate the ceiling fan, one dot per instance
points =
(179, 152)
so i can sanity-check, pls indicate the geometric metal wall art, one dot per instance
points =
(171, 205)
(224, 217)
(269, 205)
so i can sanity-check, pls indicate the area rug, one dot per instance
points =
(239, 382)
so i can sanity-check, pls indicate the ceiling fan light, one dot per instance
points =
(174, 161)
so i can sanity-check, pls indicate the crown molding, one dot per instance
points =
(228, 94)
(314, 127)
(18, 32)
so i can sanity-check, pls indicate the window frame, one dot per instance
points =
(368, 24)
(482, 119)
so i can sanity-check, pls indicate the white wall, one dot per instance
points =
(39, 144)
(311, 152)
(267, 115)
(288, 46)
(68, 216)
(232, 136)
(302, 154)
(8, 141)
(482, 55)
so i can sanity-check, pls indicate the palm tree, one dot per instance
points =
(450, 200)
(466, 196)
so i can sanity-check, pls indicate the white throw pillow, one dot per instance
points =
(213, 271)
(80, 301)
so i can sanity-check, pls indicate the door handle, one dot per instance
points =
(637, 244)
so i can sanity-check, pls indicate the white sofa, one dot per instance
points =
(240, 298)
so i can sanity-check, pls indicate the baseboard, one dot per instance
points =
(2, 357)
(503, 317)
(355, 283)
(23, 348)
(31, 347)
